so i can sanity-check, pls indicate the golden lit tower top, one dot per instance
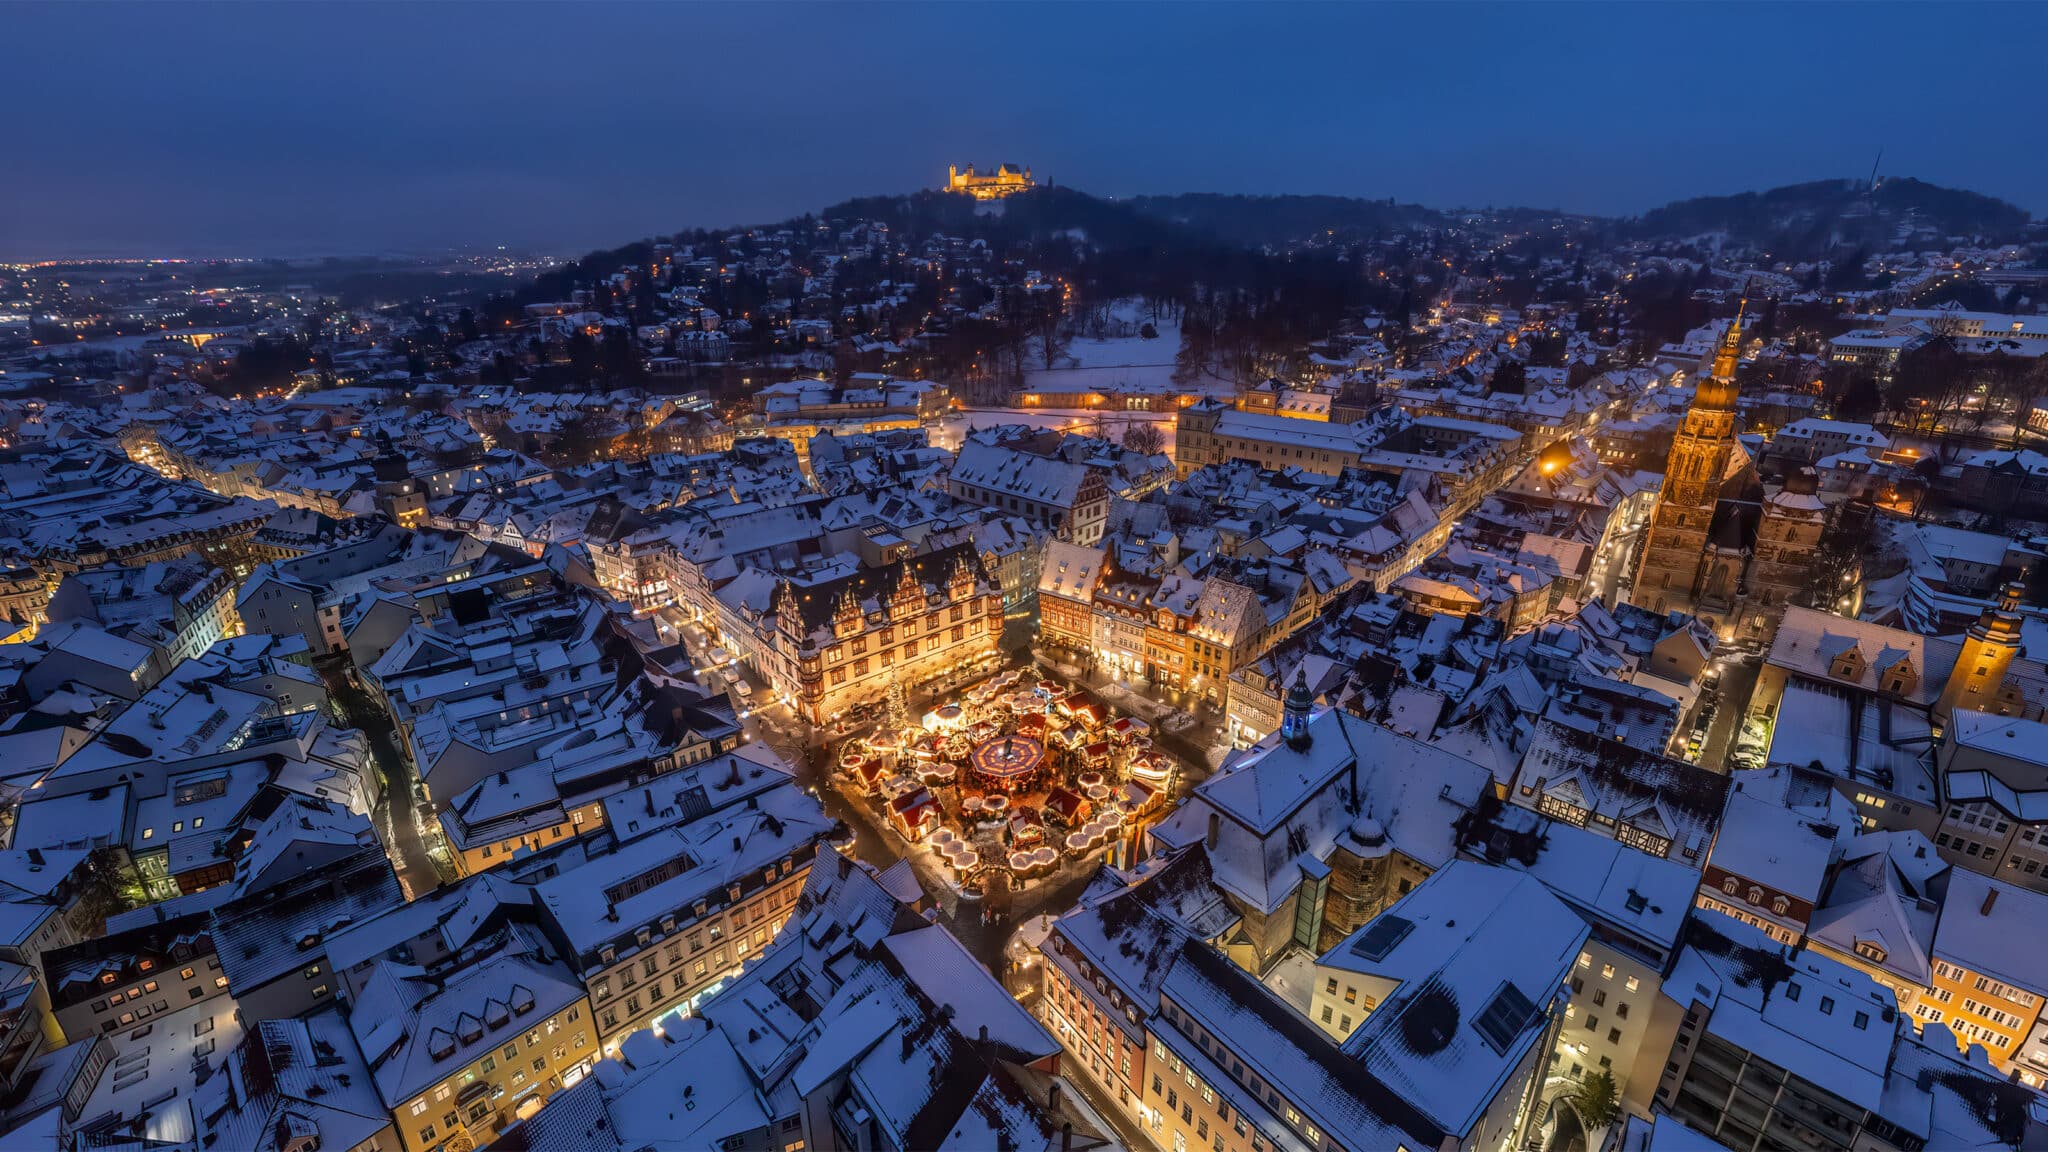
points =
(1978, 678)
(1719, 390)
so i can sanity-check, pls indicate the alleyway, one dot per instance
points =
(396, 817)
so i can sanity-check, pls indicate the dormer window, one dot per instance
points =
(1871, 950)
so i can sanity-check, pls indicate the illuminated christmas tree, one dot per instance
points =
(896, 706)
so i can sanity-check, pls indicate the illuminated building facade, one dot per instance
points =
(1006, 180)
(839, 643)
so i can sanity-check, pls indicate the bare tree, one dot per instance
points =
(1054, 340)
(1930, 379)
(1144, 436)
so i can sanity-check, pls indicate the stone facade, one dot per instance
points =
(916, 620)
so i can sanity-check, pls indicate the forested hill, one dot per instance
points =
(1259, 220)
(1037, 214)
(1799, 221)
(1803, 219)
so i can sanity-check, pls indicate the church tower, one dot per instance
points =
(1294, 712)
(1978, 679)
(1667, 578)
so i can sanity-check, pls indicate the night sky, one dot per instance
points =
(289, 129)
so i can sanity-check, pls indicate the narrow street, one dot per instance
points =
(395, 817)
(1738, 682)
(1613, 569)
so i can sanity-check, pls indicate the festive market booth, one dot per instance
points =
(1150, 767)
(1126, 728)
(1027, 827)
(1065, 808)
(915, 814)
(1084, 709)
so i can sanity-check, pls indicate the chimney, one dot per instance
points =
(983, 1035)
(1067, 1137)
(1990, 898)
(1052, 1097)
(1215, 827)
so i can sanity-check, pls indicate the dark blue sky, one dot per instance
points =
(295, 128)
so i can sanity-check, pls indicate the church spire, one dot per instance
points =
(1718, 391)
(1730, 351)
(1294, 717)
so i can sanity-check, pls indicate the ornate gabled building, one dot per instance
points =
(840, 642)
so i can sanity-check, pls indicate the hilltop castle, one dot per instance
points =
(1006, 180)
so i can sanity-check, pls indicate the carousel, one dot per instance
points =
(1009, 761)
